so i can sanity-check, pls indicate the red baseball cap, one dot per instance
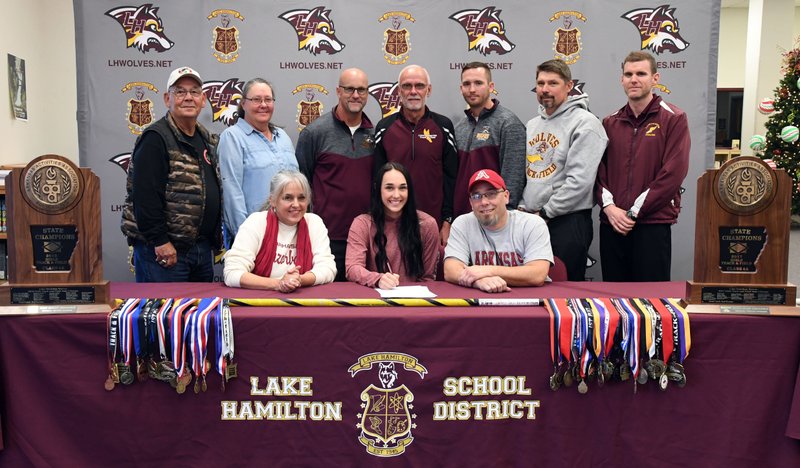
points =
(489, 176)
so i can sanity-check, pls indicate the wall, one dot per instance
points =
(732, 42)
(47, 44)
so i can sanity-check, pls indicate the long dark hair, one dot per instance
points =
(408, 236)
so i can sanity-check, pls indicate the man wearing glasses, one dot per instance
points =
(493, 248)
(172, 208)
(335, 153)
(424, 142)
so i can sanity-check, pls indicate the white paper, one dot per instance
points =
(411, 292)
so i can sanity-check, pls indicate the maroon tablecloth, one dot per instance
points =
(736, 410)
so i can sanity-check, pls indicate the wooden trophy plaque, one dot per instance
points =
(741, 250)
(54, 237)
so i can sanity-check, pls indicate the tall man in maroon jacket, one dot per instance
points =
(639, 179)
(335, 153)
(425, 143)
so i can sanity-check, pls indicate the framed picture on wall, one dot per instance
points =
(16, 87)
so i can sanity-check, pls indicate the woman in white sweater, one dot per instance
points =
(282, 247)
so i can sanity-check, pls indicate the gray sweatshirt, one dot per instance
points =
(563, 151)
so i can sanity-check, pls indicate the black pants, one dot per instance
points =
(570, 237)
(339, 249)
(644, 254)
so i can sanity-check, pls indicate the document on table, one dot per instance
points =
(410, 292)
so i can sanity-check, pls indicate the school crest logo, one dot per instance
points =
(486, 32)
(315, 30)
(122, 160)
(388, 97)
(140, 110)
(310, 108)
(396, 41)
(658, 29)
(539, 155)
(386, 419)
(567, 44)
(224, 97)
(225, 38)
(143, 28)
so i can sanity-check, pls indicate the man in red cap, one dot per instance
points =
(492, 248)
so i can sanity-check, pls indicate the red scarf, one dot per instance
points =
(304, 257)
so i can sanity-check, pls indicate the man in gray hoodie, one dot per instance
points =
(565, 143)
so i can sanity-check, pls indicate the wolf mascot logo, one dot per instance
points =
(485, 30)
(315, 30)
(224, 97)
(143, 28)
(658, 29)
(122, 160)
(388, 97)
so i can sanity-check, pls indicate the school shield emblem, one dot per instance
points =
(226, 44)
(140, 115)
(386, 420)
(308, 112)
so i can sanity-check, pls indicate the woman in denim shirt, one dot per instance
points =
(251, 152)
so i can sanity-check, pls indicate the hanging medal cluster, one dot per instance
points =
(167, 340)
(619, 339)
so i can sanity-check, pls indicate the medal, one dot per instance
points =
(109, 385)
(181, 382)
(568, 378)
(115, 373)
(662, 382)
(197, 385)
(231, 371)
(125, 375)
(582, 387)
(642, 377)
(624, 371)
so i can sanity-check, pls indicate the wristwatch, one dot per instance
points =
(630, 215)
(448, 220)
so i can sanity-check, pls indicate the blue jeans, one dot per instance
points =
(195, 264)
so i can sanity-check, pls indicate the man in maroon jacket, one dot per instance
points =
(639, 178)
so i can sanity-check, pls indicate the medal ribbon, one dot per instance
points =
(227, 331)
(625, 328)
(591, 325)
(684, 330)
(634, 325)
(647, 327)
(667, 317)
(131, 330)
(166, 307)
(567, 327)
(552, 312)
(612, 320)
(176, 332)
(220, 346)
(205, 308)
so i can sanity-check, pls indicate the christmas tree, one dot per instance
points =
(782, 145)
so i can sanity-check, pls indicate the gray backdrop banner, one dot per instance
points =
(125, 52)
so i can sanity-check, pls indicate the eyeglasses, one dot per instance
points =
(181, 93)
(417, 86)
(351, 90)
(259, 100)
(489, 195)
